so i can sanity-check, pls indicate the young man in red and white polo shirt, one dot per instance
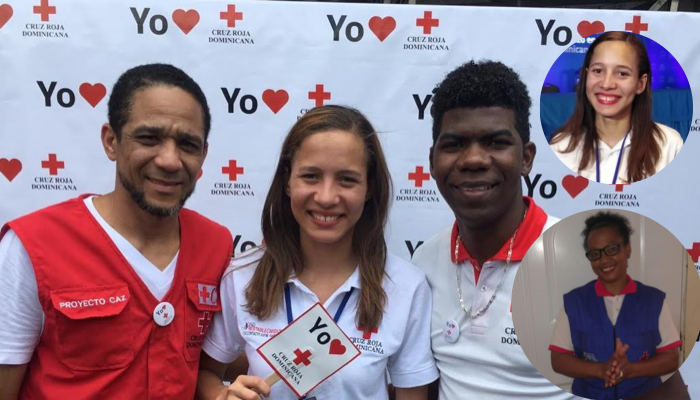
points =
(481, 149)
(111, 296)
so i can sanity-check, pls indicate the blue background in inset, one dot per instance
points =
(672, 98)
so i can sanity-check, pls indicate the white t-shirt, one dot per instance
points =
(486, 361)
(561, 336)
(21, 314)
(400, 346)
(609, 156)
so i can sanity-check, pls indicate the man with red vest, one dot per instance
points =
(111, 296)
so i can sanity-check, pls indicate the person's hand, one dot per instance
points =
(618, 365)
(246, 387)
(606, 371)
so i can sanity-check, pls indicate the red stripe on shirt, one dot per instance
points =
(677, 343)
(560, 350)
(530, 228)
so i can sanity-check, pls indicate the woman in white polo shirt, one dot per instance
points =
(323, 225)
(611, 136)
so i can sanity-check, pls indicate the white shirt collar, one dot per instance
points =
(352, 281)
(603, 146)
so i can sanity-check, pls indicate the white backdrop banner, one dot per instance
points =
(264, 64)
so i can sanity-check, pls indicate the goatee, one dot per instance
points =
(139, 197)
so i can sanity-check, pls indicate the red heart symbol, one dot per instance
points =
(10, 168)
(337, 348)
(93, 94)
(275, 99)
(574, 184)
(586, 29)
(382, 27)
(185, 20)
(5, 14)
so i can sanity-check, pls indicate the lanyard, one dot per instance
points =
(619, 159)
(290, 316)
(288, 302)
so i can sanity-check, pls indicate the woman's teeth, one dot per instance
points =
(324, 218)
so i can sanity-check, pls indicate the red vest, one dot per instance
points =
(100, 340)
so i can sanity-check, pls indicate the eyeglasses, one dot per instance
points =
(611, 250)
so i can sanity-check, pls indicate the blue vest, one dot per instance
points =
(593, 336)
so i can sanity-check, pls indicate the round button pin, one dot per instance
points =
(451, 331)
(164, 314)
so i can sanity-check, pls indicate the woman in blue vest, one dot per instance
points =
(615, 336)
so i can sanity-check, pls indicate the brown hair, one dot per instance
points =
(281, 230)
(645, 150)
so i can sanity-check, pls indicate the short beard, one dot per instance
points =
(139, 197)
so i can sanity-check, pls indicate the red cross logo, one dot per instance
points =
(427, 22)
(204, 295)
(367, 334)
(232, 170)
(45, 10)
(418, 176)
(620, 186)
(204, 322)
(302, 357)
(695, 252)
(319, 95)
(231, 16)
(52, 164)
(636, 26)
(644, 356)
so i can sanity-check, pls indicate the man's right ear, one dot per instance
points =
(109, 141)
(430, 157)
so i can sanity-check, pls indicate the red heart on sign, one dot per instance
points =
(185, 20)
(574, 184)
(275, 99)
(336, 348)
(93, 94)
(5, 14)
(10, 168)
(586, 29)
(382, 27)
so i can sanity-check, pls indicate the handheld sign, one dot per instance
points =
(308, 351)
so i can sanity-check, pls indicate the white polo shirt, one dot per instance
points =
(486, 361)
(400, 346)
(609, 156)
(561, 336)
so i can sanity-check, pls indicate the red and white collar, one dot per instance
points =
(601, 291)
(529, 230)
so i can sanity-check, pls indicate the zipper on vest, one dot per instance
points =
(614, 343)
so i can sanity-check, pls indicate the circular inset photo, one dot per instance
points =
(605, 306)
(616, 107)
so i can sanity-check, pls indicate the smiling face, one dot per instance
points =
(477, 162)
(328, 186)
(612, 80)
(161, 150)
(610, 269)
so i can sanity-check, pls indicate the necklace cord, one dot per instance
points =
(505, 270)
